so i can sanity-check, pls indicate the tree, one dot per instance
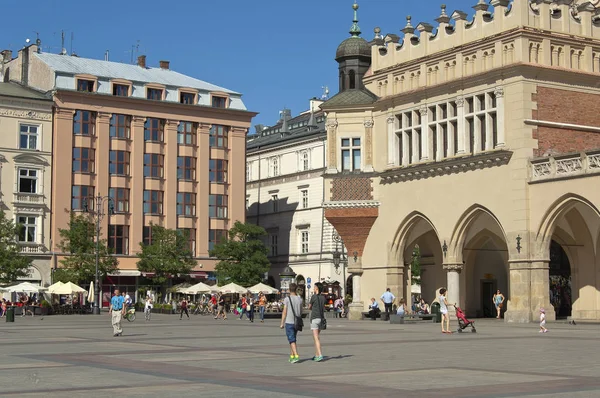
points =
(168, 254)
(78, 243)
(242, 257)
(415, 266)
(13, 265)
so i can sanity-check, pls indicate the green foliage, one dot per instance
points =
(347, 299)
(45, 304)
(78, 243)
(415, 266)
(13, 265)
(242, 257)
(168, 254)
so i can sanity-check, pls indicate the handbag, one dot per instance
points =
(323, 320)
(298, 321)
(248, 307)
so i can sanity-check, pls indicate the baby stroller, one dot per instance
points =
(463, 322)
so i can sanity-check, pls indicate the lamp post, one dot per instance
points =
(98, 214)
(340, 258)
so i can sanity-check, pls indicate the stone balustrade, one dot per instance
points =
(29, 198)
(32, 248)
(565, 166)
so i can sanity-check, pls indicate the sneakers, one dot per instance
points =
(294, 358)
(318, 359)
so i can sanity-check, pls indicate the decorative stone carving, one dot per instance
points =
(423, 111)
(541, 170)
(594, 162)
(390, 119)
(331, 123)
(453, 267)
(550, 168)
(569, 166)
(369, 123)
(460, 102)
(499, 92)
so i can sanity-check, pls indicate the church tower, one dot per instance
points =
(354, 57)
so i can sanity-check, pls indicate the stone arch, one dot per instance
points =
(461, 229)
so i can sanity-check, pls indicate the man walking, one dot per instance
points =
(117, 310)
(388, 299)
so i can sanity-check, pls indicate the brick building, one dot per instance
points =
(166, 147)
(478, 141)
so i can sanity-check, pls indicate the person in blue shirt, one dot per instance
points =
(117, 310)
(388, 300)
(374, 309)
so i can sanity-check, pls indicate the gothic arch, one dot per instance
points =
(459, 234)
(405, 228)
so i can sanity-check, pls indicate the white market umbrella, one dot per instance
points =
(25, 287)
(415, 289)
(68, 288)
(90, 296)
(199, 288)
(262, 288)
(232, 288)
(51, 288)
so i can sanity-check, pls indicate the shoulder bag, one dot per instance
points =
(323, 320)
(298, 321)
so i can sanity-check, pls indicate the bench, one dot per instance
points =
(384, 316)
(399, 319)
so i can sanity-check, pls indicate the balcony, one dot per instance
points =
(31, 248)
(565, 166)
(28, 199)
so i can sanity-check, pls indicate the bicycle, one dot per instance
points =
(130, 314)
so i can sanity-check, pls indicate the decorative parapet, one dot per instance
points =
(430, 55)
(351, 204)
(565, 166)
(454, 165)
(32, 248)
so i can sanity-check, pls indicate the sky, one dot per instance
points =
(277, 53)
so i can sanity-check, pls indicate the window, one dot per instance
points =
(186, 133)
(274, 167)
(147, 236)
(28, 180)
(304, 162)
(216, 236)
(408, 134)
(118, 238)
(153, 165)
(304, 237)
(27, 228)
(81, 196)
(153, 202)
(219, 102)
(218, 136)
(186, 168)
(186, 204)
(482, 122)
(84, 123)
(154, 129)
(191, 237)
(273, 244)
(217, 170)
(28, 138)
(85, 85)
(120, 126)
(187, 98)
(443, 127)
(304, 198)
(121, 90)
(275, 201)
(83, 160)
(120, 198)
(118, 163)
(154, 94)
(248, 171)
(217, 206)
(350, 154)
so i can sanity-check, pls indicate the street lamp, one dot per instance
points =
(98, 213)
(340, 258)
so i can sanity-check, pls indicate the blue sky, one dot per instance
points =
(278, 53)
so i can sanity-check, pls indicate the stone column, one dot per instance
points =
(453, 277)
(499, 92)
(463, 135)
(540, 289)
(331, 126)
(426, 143)
(392, 142)
(357, 306)
(529, 290)
(368, 166)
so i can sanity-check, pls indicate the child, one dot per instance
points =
(543, 321)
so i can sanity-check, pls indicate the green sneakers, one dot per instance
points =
(318, 359)
(294, 358)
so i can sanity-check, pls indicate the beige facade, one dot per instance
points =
(485, 153)
(167, 149)
(26, 172)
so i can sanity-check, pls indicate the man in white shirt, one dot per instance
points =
(128, 301)
(388, 300)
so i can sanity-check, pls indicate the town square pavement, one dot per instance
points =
(77, 356)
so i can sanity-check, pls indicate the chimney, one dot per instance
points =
(164, 64)
(286, 115)
(142, 61)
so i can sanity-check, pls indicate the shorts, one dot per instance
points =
(445, 312)
(315, 324)
(290, 332)
(220, 308)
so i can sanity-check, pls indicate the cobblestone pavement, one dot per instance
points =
(77, 356)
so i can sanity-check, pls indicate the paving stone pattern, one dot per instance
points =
(77, 356)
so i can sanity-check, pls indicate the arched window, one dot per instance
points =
(352, 78)
(342, 81)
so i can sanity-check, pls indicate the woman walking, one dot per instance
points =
(221, 308)
(148, 307)
(498, 300)
(444, 310)
(184, 305)
(262, 302)
(317, 303)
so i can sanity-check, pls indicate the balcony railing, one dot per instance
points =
(29, 198)
(31, 248)
(566, 166)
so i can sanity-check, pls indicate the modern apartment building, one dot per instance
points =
(478, 141)
(284, 194)
(26, 171)
(169, 149)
